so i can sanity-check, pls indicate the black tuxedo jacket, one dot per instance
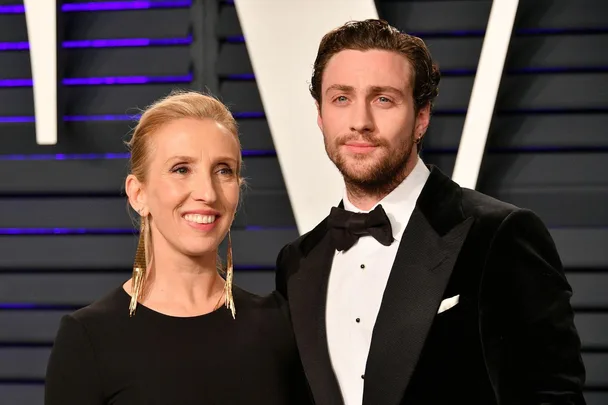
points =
(511, 338)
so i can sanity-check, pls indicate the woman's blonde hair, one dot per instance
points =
(177, 105)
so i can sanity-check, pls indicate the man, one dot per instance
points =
(414, 290)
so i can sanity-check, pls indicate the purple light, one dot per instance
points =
(17, 119)
(106, 6)
(126, 42)
(115, 117)
(249, 114)
(104, 43)
(243, 76)
(102, 156)
(30, 305)
(99, 81)
(125, 5)
(66, 156)
(107, 117)
(17, 9)
(126, 80)
(11, 305)
(65, 231)
(260, 153)
(235, 39)
(254, 228)
(558, 31)
(102, 231)
(14, 46)
(15, 82)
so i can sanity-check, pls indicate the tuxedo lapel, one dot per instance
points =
(414, 291)
(307, 290)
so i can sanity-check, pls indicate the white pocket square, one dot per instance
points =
(448, 303)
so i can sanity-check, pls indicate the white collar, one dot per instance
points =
(404, 196)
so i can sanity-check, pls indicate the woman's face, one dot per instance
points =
(192, 187)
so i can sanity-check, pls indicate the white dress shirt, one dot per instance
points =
(356, 285)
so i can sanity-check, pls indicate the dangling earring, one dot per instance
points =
(139, 267)
(229, 300)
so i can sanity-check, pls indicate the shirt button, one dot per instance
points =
(358, 320)
(362, 266)
(363, 376)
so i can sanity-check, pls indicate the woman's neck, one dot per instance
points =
(182, 286)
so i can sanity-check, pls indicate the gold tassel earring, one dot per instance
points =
(229, 300)
(139, 268)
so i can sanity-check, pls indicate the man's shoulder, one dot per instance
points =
(485, 207)
(304, 242)
(492, 214)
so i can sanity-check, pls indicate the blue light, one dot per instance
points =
(14, 119)
(113, 117)
(106, 6)
(103, 81)
(239, 39)
(9, 305)
(243, 76)
(107, 117)
(103, 231)
(66, 231)
(249, 114)
(66, 156)
(35, 306)
(102, 156)
(125, 5)
(104, 43)
(256, 228)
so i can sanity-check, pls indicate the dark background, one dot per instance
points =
(66, 236)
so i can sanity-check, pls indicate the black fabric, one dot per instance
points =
(510, 339)
(102, 357)
(347, 227)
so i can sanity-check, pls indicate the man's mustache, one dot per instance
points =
(371, 139)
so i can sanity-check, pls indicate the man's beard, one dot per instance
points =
(373, 177)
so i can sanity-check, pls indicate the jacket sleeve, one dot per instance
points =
(281, 272)
(540, 360)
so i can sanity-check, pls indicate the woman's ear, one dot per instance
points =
(136, 194)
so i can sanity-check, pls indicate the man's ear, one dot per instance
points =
(319, 117)
(423, 119)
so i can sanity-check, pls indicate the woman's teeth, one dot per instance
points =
(200, 219)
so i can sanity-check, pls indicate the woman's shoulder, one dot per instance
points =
(269, 303)
(113, 305)
(263, 301)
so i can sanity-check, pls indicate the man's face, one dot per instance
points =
(368, 118)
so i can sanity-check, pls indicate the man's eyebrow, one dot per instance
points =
(340, 87)
(386, 89)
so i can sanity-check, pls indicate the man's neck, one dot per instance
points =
(363, 200)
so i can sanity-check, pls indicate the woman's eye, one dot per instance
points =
(181, 170)
(225, 171)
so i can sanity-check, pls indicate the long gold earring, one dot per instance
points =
(139, 268)
(229, 300)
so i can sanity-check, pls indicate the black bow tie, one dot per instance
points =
(346, 227)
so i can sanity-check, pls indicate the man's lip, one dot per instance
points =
(360, 144)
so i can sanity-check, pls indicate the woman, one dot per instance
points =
(176, 333)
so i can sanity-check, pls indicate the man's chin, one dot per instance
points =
(359, 175)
